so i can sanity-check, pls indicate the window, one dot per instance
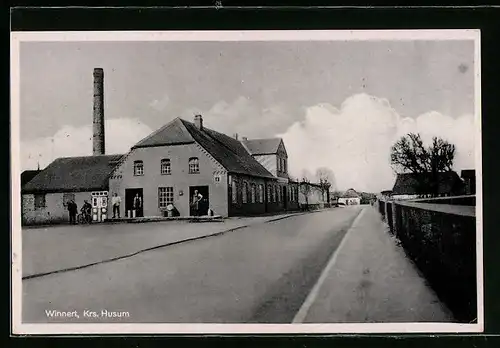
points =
(165, 196)
(234, 192)
(194, 165)
(253, 193)
(165, 167)
(244, 192)
(268, 194)
(138, 168)
(261, 193)
(39, 201)
(278, 193)
(279, 164)
(285, 167)
(67, 197)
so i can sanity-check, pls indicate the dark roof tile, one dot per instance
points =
(73, 174)
(408, 183)
(228, 151)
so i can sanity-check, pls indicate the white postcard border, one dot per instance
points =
(191, 328)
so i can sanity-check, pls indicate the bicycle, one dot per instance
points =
(83, 218)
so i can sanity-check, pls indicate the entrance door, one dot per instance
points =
(203, 205)
(129, 202)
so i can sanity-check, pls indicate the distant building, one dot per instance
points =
(409, 185)
(45, 197)
(469, 177)
(350, 197)
(386, 193)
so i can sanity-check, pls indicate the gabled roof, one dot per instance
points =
(28, 175)
(351, 193)
(229, 152)
(408, 183)
(173, 133)
(262, 146)
(73, 174)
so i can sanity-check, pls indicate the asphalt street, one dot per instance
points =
(256, 274)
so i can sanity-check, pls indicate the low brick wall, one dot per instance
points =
(442, 243)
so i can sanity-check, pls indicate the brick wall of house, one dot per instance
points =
(55, 210)
(237, 205)
(180, 179)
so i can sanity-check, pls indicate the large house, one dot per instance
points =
(350, 197)
(234, 177)
(248, 177)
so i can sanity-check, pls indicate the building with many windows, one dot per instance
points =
(233, 177)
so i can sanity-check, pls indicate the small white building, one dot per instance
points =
(350, 197)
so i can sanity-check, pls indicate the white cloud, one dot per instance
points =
(161, 103)
(69, 141)
(243, 116)
(355, 140)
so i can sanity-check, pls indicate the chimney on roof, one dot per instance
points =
(198, 122)
(98, 121)
(235, 136)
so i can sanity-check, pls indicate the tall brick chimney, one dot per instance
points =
(98, 123)
(198, 121)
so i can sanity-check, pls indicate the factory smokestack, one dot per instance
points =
(98, 123)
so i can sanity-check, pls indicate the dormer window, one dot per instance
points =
(138, 168)
(165, 167)
(194, 165)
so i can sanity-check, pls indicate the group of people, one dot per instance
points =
(197, 205)
(86, 211)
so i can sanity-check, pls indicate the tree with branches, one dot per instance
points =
(305, 189)
(409, 155)
(326, 179)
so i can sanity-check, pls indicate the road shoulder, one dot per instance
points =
(372, 280)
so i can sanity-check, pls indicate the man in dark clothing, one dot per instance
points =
(72, 209)
(87, 211)
(138, 205)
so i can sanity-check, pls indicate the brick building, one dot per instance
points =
(234, 177)
(45, 196)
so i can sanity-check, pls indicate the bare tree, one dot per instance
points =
(326, 179)
(305, 189)
(409, 155)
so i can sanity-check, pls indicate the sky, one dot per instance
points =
(336, 104)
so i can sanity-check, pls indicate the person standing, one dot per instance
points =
(115, 202)
(197, 197)
(72, 210)
(138, 205)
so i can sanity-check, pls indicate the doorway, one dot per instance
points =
(129, 202)
(203, 205)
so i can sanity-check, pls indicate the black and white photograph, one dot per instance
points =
(246, 182)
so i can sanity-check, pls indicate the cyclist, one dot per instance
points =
(87, 212)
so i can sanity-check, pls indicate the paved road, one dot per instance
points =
(51, 249)
(261, 273)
